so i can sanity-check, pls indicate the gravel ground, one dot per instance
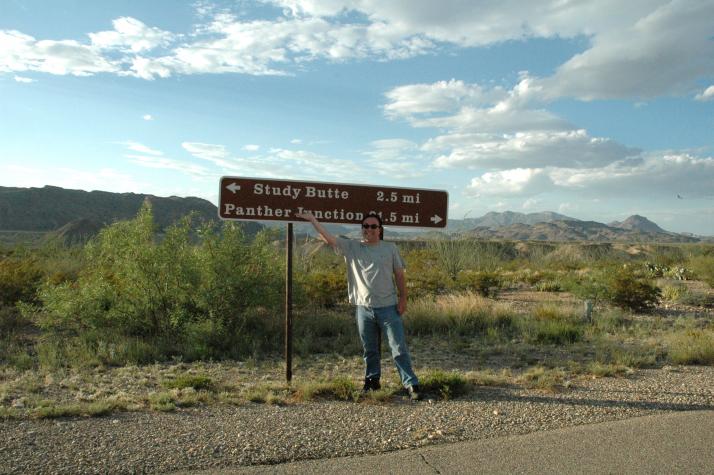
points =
(224, 436)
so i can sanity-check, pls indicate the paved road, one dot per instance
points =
(681, 442)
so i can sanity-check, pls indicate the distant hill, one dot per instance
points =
(638, 223)
(494, 220)
(78, 231)
(77, 213)
(571, 230)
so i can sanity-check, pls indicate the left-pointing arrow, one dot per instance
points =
(233, 187)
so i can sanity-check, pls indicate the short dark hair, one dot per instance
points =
(372, 214)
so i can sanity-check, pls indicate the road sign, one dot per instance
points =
(257, 199)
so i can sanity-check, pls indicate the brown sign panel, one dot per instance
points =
(258, 199)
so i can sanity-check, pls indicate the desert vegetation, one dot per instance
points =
(193, 315)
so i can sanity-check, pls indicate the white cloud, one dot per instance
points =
(216, 154)
(152, 161)
(414, 100)
(23, 79)
(662, 52)
(706, 95)
(519, 181)
(572, 149)
(21, 52)
(147, 117)
(644, 48)
(564, 208)
(296, 141)
(531, 203)
(131, 35)
(251, 148)
(498, 129)
(275, 163)
(654, 175)
(141, 148)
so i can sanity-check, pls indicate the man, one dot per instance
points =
(373, 267)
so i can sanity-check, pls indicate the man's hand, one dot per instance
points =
(324, 234)
(402, 306)
(307, 216)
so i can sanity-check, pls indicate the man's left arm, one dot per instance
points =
(402, 289)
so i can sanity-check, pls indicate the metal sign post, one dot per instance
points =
(259, 199)
(289, 303)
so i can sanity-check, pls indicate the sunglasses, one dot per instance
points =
(370, 226)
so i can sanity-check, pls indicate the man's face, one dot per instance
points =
(368, 234)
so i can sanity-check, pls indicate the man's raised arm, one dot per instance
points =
(324, 234)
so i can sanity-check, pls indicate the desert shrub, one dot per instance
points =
(697, 298)
(166, 291)
(424, 277)
(342, 388)
(591, 285)
(11, 320)
(631, 355)
(461, 314)
(491, 255)
(674, 293)
(20, 277)
(665, 256)
(447, 385)
(548, 286)
(539, 377)
(630, 292)
(552, 324)
(452, 256)
(702, 267)
(325, 288)
(484, 283)
(692, 347)
(611, 320)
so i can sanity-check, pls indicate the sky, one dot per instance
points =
(594, 109)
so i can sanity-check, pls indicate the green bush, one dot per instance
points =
(548, 286)
(20, 278)
(674, 293)
(703, 268)
(447, 385)
(424, 277)
(484, 283)
(692, 347)
(325, 288)
(459, 314)
(628, 291)
(207, 298)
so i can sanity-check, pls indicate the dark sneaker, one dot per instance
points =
(371, 384)
(414, 393)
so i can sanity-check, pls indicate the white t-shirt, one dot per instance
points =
(370, 271)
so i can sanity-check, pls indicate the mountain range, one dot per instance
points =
(75, 215)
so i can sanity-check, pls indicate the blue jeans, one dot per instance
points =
(370, 321)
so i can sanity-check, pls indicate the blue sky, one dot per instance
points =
(597, 110)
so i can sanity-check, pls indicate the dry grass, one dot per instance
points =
(464, 314)
(692, 347)
(548, 379)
